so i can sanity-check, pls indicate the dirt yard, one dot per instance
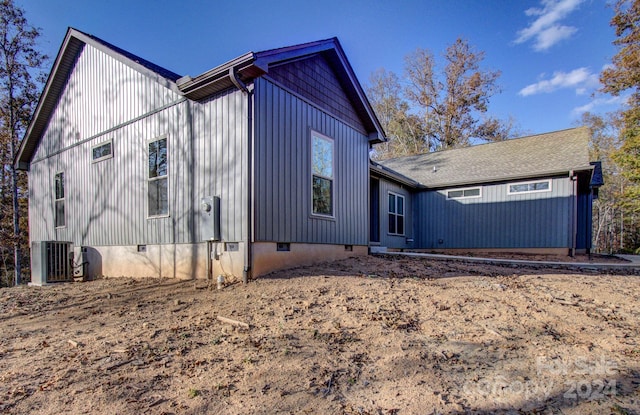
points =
(374, 335)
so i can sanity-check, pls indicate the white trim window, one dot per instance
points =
(102, 151)
(322, 174)
(537, 186)
(59, 210)
(468, 193)
(158, 183)
(396, 214)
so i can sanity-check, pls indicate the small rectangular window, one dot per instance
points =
(322, 174)
(396, 214)
(530, 187)
(464, 193)
(158, 192)
(102, 151)
(60, 218)
(283, 246)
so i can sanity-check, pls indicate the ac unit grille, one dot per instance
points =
(50, 262)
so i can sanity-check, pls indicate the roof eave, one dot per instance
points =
(219, 78)
(537, 175)
(69, 47)
(394, 175)
(379, 136)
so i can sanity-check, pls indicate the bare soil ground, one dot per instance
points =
(372, 335)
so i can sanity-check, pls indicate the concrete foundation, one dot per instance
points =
(189, 261)
(266, 257)
(182, 261)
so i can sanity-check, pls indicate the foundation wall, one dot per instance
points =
(182, 261)
(535, 251)
(266, 257)
(189, 261)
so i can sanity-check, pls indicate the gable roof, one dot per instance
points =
(254, 64)
(539, 155)
(74, 42)
(231, 74)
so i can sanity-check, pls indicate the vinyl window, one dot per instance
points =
(464, 193)
(102, 151)
(396, 214)
(530, 187)
(59, 211)
(322, 174)
(158, 189)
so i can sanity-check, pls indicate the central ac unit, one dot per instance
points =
(50, 262)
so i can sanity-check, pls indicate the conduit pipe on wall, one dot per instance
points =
(246, 273)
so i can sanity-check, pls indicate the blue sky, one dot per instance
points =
(550, 52)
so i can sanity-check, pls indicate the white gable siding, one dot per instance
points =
(101, 93)
(106, 202)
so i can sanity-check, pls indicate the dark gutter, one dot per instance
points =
(386, 172)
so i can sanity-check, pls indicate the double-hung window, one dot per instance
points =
(322, 174)
(396, 214)
(60, 219)
(158, 193)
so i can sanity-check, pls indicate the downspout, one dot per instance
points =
(246, 273)
(574, 219)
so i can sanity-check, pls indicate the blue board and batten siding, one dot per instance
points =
(283, 211)
(495, 220)
(392, 240)
(106, 201)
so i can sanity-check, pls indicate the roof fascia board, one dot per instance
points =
(537, 175)
(267, 58)
(380, 136)
(54, 75)
(188, 85)
(394, 176)
(262, 61)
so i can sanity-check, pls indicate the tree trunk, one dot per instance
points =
(17, 252)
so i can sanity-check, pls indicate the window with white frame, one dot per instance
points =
(158, 192)
(59, 211)
(396, 214)
(529, 187)
(102, 151)
(464, 193)
(322, 174)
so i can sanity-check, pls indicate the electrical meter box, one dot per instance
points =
(210, 218)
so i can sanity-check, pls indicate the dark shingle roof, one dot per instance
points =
(166, 73)
(544, 154)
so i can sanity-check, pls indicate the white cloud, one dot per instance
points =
(546, 29)
(600, 102)
(581, 79)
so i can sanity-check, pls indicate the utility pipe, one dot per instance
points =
(246, 273)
